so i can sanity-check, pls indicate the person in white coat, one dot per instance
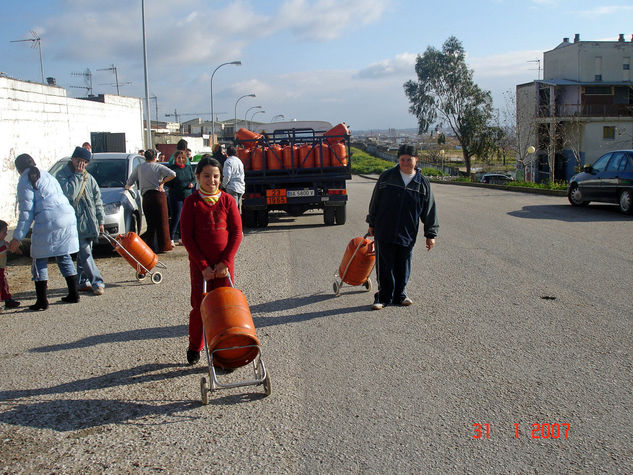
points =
(233, 176)
(42, 203)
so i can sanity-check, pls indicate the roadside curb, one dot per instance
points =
(517, 189)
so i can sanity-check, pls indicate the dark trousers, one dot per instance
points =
(157, 217)
(4, 286)
(175, 210)
(393, 267)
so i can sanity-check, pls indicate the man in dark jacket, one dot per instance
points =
(401, 199)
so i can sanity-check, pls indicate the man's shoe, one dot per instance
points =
(11, 303)
(406, 302)
(377, 306)
(98, 291)
(85, 288)
(193, 357)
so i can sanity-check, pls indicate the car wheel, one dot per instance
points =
(575, 196)
(626, 202)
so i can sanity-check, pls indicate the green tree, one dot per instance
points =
(445, 89)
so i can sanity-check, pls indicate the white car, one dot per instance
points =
(122, 208)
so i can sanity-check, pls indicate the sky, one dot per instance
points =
(332, 60)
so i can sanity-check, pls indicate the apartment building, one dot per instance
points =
(582, 108)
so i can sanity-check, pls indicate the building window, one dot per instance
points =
(608, 132)
(626, 67)
(598, 90)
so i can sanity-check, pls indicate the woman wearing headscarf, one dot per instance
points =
(42, 203)
(151, 177)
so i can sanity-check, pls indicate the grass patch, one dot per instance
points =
(363, 163)
(560, 185)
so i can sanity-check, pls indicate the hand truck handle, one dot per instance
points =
(204, 282)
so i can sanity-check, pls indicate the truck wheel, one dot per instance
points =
(250, 218)
(340, 214)
(262, 218)
(328, 215)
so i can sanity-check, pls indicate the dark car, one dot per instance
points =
(496, 178)
(608, 180)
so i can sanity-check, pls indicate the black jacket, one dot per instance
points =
(395, 211)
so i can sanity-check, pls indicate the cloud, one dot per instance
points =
(512, 63)
(324, 20)
(401, 65)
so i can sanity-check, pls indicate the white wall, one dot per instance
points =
(42, 121)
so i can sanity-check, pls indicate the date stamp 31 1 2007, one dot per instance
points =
(553, 430)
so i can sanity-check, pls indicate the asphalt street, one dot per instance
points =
(515, 357)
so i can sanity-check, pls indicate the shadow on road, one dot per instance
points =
(137, 375)
(570, 214)
(156, 333)
(76, 414)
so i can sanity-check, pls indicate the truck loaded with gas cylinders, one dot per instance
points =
(295, 167)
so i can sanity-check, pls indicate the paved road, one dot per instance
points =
(522, 315)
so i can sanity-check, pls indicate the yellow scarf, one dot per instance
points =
(210, 198)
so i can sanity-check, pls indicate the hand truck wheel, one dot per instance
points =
(157, 278)
(368, 285)
(336, 287)
(140, 276)
(204, 391)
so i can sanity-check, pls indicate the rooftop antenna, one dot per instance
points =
(36, 41)
(539, 66)
(87, 75)
(116, 77)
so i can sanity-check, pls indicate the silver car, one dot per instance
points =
(122, 208)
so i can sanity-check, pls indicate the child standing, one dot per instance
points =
(211, 231)
(4, 286)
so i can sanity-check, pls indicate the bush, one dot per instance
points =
(561, 185)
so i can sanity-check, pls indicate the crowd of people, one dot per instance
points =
(66, 215)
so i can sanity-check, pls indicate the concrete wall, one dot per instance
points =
(42, 121)
(577, 61)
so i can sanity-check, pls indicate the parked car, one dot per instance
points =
(608, 180)
(496, 178)
(122, 208)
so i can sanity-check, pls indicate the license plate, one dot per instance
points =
(296, 193)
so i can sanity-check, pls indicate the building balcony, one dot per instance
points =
(586, 110)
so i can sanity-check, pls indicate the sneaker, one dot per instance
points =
(85, 288)
(405, 302)
(173, 244)
(11, 303)
(193, 357)
(98, 291)
(377, 306)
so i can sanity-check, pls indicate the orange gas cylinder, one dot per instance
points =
(249, 137)
(244, 154)
(274, 159)
(257, 158)
(338, 154)
(228, 323)
(286, 156)
(361, 264)
(325, 153)
(340, 129)
(133, 247)
(306, 156)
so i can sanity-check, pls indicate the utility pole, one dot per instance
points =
(148, 132)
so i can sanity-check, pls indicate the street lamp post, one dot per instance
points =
(249, 109)
(235, 111)
(254, 114)
(237, 63)
(281, 116)
(148, 131)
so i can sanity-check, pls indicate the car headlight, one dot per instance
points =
(112, 208)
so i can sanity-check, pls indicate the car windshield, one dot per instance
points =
(108, 173)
